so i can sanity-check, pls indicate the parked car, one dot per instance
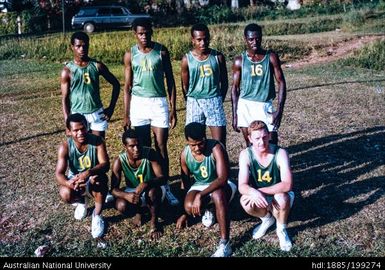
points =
(106, 16)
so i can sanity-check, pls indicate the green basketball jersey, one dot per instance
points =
(204, 172)
(261, 176)
(148, 80)
(204, 76)
(84, 88)
(257, 82)
(135, 176)
(81, 161)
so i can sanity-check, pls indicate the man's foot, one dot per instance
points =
(137, 220)
(171, 199)
(80, 211)
(261, 229)
(224, 249)
(181, 222)
(155, 232)
(97, 226)
(208, 218)
(284, 240)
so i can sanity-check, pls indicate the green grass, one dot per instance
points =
(332, 128)
(110, 47)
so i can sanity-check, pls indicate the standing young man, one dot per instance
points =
(253, 89)
(80, 86)
(207, 161)
(86, 157)
(145, 103)
(265, 182)
(144, 181)
(205, 83)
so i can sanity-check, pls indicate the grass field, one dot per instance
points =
(333, 129)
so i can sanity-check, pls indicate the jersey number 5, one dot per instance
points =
(86, 77)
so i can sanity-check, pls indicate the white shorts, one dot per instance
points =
(95, 122)
(248, 111)
(149, 111)
(143, 198)
(202, 187)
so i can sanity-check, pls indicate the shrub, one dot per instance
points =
(371, 56)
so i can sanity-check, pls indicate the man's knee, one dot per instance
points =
(121, 205)
(282, 200)
(246, 204)
(65, 194)
(154, 194)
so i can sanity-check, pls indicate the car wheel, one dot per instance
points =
(89, 27)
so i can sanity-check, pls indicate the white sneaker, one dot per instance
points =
(109, 198)
(80, 211)
(208, 218)
(224, 250)
(171, 199)
(261, 229)
(284, 240)
(97, 226)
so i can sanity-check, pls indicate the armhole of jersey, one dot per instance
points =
(132, 55)
(188, 62)
(158, 47)
(276, 155)
(250, 156)
(219, 66)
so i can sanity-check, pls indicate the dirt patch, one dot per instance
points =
(333, 52)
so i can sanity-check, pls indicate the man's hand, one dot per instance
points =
(140, 188)
(259, 199)
(106, 114)
(172, 120)
(126, 123)
(277, 117)
(132, 197)
(235, 124)
(196, 206)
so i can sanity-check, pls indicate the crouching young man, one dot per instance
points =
(265, 183)
(144, 181)
(207, 161)
(86, 157)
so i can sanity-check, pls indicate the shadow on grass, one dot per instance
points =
(339, 168)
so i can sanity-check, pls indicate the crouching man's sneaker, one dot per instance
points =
(97, 226)
(80, 211)
(171, 199)
(224, 249)
(284, 240)
(208, 219)
(261, 229)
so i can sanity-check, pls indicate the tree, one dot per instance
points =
(18, 6)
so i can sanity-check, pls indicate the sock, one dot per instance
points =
(281, 227)
(223, 241)
(266, 217)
